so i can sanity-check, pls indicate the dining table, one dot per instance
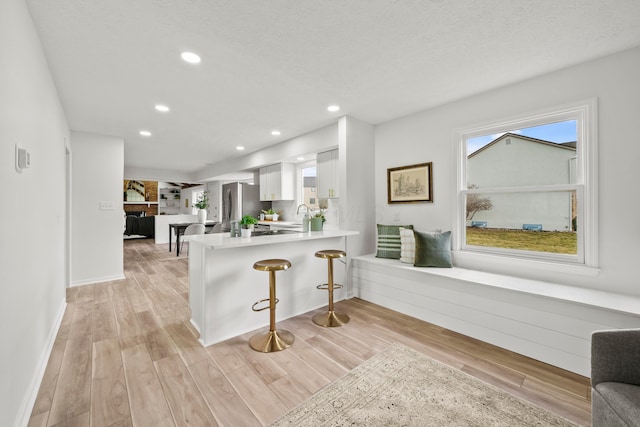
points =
(180, 227)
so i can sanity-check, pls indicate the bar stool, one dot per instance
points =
(331, 318)
(273, 340)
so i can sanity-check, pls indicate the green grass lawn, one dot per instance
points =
(539, 241)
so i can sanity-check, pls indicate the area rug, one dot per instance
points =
(401, 387)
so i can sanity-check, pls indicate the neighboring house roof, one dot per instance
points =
(565, 145)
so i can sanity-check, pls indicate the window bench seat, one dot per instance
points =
(545, 321)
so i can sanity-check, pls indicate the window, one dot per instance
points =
(195, 196)
(527, 187)
(308, 185)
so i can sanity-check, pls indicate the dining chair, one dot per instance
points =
(217, 228)
(191, 230)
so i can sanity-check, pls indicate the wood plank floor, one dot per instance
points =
(126, 355)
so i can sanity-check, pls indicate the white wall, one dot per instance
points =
(32, 213)
(97, 250)
(145, 174)
(428, 137)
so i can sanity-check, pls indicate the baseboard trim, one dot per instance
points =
(24, 413)
(97, 280)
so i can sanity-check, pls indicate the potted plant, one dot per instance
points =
(270, 215)
(316, 222)
(202, 204)
(247, 222)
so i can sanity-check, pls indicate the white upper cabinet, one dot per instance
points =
(327, 174)
(277, 182)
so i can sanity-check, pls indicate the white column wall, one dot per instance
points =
(97, 249)
(357, 176)
(32, 213)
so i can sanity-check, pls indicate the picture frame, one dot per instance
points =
(410, 184)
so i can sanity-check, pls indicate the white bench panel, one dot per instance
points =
(489, 313)
(573, 319)
(519, 345)
(553, 330)
(482, 319)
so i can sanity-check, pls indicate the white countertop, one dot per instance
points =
(224, 241)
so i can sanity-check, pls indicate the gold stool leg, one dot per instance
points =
(273, 340)
(331, 318)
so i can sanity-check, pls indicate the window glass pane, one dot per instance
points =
(542, 221)
(540, 155)
(195, 196)
(309, 187)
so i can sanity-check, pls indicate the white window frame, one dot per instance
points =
(300, 178)
(586, 186)
(194, 198)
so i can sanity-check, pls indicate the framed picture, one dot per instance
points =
(410, 184)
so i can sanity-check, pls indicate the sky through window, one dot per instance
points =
(554, 132)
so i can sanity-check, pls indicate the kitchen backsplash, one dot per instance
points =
(287, 210)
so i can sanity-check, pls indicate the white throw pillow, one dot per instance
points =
(407, 246)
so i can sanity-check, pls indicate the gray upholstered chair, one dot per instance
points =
(192, 230)
(615, 378)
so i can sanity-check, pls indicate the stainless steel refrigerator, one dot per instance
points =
(238, 199)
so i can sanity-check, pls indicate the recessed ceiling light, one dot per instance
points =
(190, 57)
(145, 133)
(275, 132)
(333, 108)
(239, 148)
(300, 158)
(162, 108)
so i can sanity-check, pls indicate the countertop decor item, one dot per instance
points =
(202, 204)
(306, 219)
(203, 201)
(247, 222)
(318, 219)
(270, 215)
(316, 222)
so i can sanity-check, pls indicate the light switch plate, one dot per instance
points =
(106, 206)
(23, 158)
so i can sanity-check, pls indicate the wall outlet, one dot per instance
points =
(396, 217)
(106, 206)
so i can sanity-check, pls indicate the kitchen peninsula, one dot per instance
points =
(223, 284)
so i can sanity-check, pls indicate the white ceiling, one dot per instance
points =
(278, 64)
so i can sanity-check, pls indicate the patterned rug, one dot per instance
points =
(401, 387)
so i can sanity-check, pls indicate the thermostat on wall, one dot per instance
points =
(23, 158)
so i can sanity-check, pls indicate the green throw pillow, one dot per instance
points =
(389, 241)
(433, 249)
